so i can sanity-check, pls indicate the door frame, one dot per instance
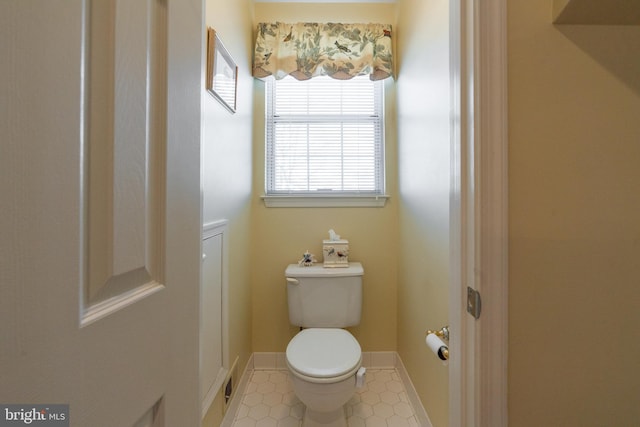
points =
(479, 213)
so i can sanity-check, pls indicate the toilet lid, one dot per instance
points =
(324, 353)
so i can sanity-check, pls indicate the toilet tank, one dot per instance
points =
(320, 297)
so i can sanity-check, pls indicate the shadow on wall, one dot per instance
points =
(617, 48)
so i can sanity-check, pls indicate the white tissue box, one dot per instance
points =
(335, 253)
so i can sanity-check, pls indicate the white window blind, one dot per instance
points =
(324, 137)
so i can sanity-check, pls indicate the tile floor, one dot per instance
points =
(269, 401)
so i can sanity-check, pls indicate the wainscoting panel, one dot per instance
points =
(214, 358)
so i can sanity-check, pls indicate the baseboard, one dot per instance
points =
(412, 394)
(234, 403)
(373, 360)
(269, 361)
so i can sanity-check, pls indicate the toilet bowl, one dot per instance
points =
(323, 364)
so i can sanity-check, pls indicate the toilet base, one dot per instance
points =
(335, 418)
(324, 403)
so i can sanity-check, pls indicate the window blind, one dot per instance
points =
(324, 136)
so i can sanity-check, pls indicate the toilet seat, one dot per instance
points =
(324, 355)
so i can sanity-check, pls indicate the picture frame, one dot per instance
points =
(222, 72)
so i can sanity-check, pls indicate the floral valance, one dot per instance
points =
(306, 50)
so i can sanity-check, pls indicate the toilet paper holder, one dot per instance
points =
(434, 340)
(442, 333)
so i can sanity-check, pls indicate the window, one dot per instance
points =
(324, 140)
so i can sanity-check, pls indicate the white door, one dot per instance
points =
(100, 218)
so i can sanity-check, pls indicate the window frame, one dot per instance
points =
(373, 198)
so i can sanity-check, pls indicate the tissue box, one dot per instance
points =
(335, 253)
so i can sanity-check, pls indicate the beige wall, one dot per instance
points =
(281, 235)
(574, 103)
(574, 213)
(226, 174)
(424, 159)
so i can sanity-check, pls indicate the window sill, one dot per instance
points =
(325, 201)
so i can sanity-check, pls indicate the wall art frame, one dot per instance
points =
(222, 72)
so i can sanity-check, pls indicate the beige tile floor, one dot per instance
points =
(269, 401)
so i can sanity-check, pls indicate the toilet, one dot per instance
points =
(324, 360)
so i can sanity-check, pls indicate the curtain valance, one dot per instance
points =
(306, 50)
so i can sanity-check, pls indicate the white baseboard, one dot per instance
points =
(233, 405)
(269, 361)
(379, 359)
(412, 394)
(373, 360)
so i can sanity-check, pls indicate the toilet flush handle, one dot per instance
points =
(292, 281)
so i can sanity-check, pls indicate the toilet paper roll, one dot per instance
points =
(436, 345)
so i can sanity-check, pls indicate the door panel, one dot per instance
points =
(125, 163)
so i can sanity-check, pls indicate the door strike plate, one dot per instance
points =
(474, 303)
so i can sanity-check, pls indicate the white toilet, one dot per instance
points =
(325, 361)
